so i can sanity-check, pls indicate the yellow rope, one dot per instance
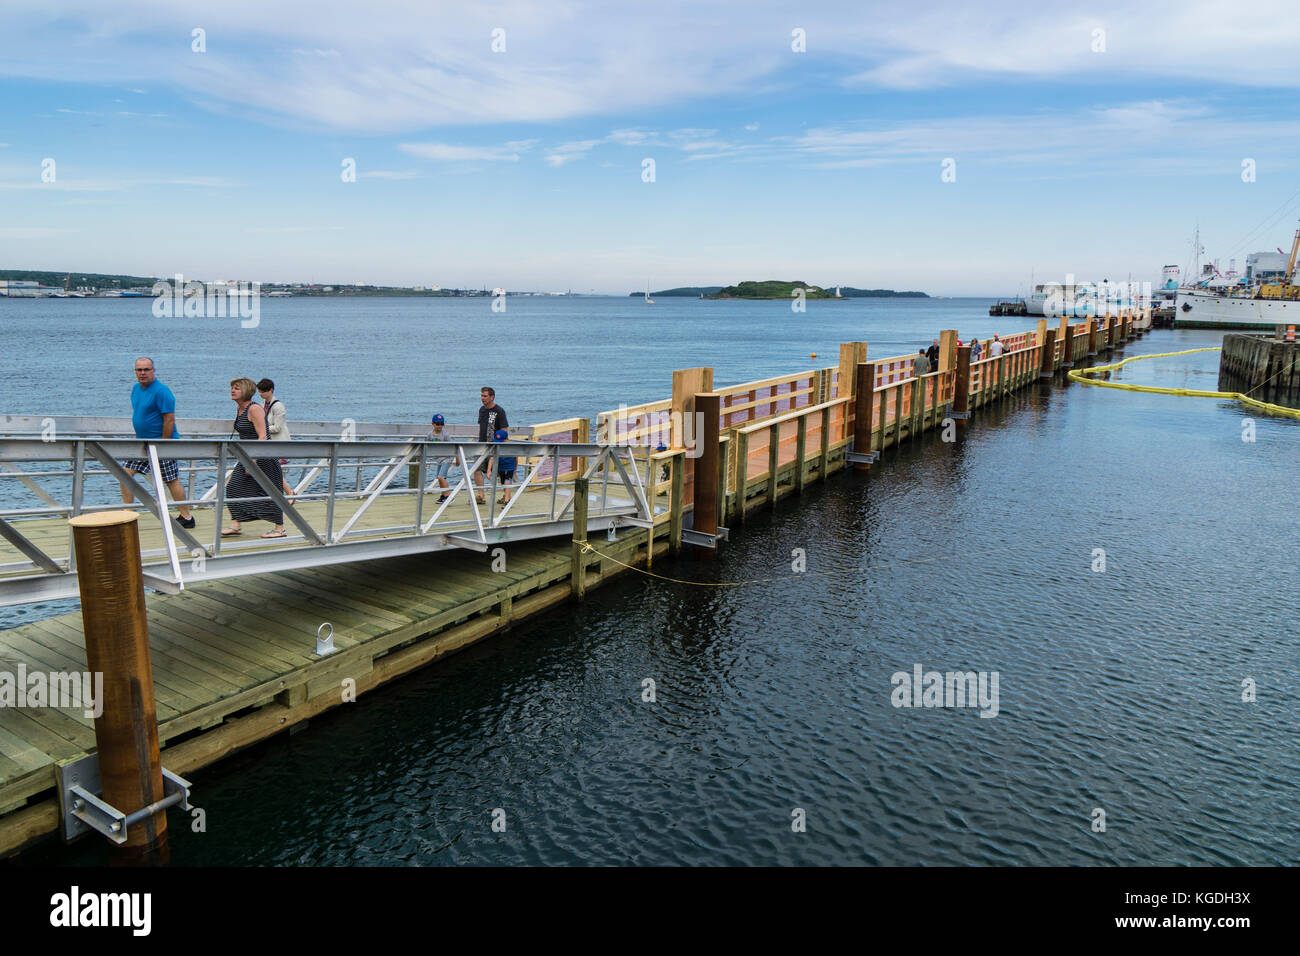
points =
(586, 547)
(1082, 376)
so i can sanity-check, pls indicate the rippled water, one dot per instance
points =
(1119, 690)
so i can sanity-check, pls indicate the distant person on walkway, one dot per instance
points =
(250, 425)
(505, 469)
(491, 416)
(442, 466)
(276, 429)
(932, 353)
(920, 364)
(153, 414)
(976, 350)
(996, 347)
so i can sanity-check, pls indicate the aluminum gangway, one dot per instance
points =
(361, 491)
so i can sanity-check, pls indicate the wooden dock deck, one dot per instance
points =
(234, 659)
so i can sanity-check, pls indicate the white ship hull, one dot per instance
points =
(1198, 309)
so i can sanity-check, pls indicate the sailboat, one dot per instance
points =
(648, 300)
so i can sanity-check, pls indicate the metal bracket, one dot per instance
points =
(632, 522)
(81, 809)
(862, 458)
(703, 540)
(1043, 375)
(959, 416)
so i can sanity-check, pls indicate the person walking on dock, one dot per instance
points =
(250, 425)
(491, 417)
(442, 466)
(976, 350)
(505, 469)
(153, 415)
(276, 429)
(932, 353)
(996, 347)
(920, 364)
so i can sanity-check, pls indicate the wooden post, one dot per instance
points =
(851, 354)
(1041, 334)
(578, 573)
(947, 350)
(773, 461)
(1092, 336)
(1066, 338)
(676, 502)
(800, 453)
(687, 382)
(707, 466)
(918, 406)
(583, 437)
(826, 443)
(1046, 366)
(961, 393)
(865, 393)
(111, 583)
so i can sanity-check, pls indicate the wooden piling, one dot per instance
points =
(800, 454)
(111, 582)
(1092, 336)
(864, 398)
(707, 465)
(676, 502)
(578, 579)
(961, 394)
(1047, 365)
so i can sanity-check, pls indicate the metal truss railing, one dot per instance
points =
(347, 502)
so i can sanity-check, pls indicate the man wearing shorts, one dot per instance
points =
(153, 413)
(491, 417)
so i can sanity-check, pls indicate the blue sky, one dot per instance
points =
(523, 168)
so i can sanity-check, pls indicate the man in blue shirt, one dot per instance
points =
(153, 413)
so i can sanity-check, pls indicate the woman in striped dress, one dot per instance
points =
(250, 425)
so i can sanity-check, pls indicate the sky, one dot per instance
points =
(954, 149)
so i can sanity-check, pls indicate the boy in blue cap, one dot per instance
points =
(441, 466)
(505, 469)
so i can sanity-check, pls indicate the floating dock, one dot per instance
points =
(403, 579)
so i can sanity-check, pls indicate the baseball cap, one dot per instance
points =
(438, 419)
(501, 435)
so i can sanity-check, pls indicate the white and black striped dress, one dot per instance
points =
(243, 485)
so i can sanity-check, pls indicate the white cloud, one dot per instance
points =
(33, 232)
(403, 67)
(446, 152)
(751, 126)
(567, 152)
(391, 174)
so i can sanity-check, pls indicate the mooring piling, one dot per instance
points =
(111, 581)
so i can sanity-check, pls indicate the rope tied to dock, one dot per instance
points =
(1083, 377)
(586, 547)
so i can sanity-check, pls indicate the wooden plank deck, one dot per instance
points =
(240, 652)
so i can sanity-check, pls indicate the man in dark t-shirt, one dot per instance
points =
(932, 353)
(491, 417)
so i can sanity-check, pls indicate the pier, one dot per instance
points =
(1263, 365)
(402, 579)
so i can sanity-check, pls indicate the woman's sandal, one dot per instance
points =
(231, 533)
(274, 534)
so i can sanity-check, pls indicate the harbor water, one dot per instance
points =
(1125, 563)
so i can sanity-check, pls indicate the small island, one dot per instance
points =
(778, 289)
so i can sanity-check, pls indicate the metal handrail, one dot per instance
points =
(537, 507)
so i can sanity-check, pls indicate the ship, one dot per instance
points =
(1265, 297)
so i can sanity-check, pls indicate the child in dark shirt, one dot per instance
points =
(505, 469)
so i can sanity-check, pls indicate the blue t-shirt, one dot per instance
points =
(148, 406)
(505, 464)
